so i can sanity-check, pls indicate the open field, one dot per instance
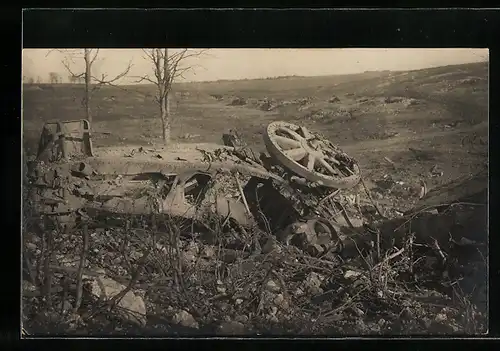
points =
(405, 129)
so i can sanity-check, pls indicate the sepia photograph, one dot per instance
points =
(254, 192)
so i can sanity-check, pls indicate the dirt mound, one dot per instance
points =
(334, 99)
(401, 100)
(217, 97)
(238, 101)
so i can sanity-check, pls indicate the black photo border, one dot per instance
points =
(226, 28)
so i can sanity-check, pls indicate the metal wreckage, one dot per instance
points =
(292, 193)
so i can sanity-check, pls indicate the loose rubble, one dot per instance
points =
(230, 243)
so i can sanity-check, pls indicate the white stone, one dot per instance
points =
(131, 307)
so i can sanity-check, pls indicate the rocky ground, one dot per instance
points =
(388, 274)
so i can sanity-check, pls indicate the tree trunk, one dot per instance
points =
(88, 82)
(165, 119)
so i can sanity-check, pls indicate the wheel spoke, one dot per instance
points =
(295, 154)
(306, 133)
(292, 133)
(311, 160)
(334, 160)
(286, 142)
(328, 167)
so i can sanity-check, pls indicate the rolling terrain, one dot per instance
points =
(442, 111)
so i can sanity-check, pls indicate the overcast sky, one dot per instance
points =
(258, 63)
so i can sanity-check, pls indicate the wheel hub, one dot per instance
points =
(312, 147)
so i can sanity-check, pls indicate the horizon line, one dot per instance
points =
(278, 77)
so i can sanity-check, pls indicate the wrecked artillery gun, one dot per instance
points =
(279, 194)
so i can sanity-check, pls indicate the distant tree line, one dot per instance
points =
(53, 78)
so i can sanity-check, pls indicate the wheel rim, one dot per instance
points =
(309, 155)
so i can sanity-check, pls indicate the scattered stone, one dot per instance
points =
(188, 258)
(64, 306)
(208, 251)
(242, 319)
(281, 302)
(441, 317)
(351, 274)
(342, 222)
(272, 318)
(131, 307)
(31, 246)
(230, 328)
(193, 247)
(185, 319)
(333, 99)
(359, 312)
(313, 283)
(436, 171)
(272, 286)
(28, 286)
(270, 246)
(298, 292)
(135, 255)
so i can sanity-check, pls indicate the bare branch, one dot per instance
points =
(95, 56)
(68, 68)
(148, 53)
(110, 82)
(104, 82)
(183, 55)
(51, 51)
(145, 78)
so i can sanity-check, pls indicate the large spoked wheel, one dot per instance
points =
(310, 156)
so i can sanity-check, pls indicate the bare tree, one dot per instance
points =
(75, 79)
(38, 79)
(54, 78)
(167, 67)
(92, 83)
(28, 80)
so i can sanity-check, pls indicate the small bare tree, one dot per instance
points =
(92, 83)
(54, 77)
(167, 67)
(28, 80)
